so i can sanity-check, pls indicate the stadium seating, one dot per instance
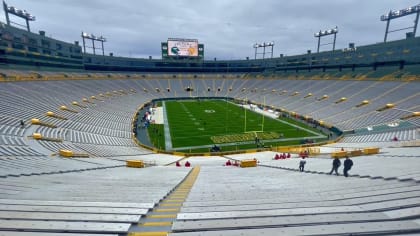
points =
(100, 196)
(400, 135)
(105, 201)
(106, 120)
(305, 203)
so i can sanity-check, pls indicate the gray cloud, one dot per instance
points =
(228, 28)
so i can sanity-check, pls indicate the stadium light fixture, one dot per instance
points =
(94, 38)
(323, 33)
(19, 13)
(264, 45)
(401, 13)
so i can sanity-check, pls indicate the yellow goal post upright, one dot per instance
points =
(262, 122)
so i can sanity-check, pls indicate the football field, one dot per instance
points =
(202, 123)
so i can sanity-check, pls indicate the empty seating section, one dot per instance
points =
(226, 201)
(88, 138)
(41, 165)
(54, 147)
(391, 163)
(43, 193)
(111, 151)
(78, 185)
(101, 201)
(8, 150)
(400, 135)
(96, 129)
(106, 119)
(58, 133)
(11, 140)
(415, 121)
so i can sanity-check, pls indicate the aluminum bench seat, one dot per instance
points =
(27, 233)
(74, 209)
(55, 216)
(375, 228)
(200, 225)
(77, 204)
(64, 226)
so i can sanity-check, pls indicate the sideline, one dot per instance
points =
(246, 142)
(168, 141)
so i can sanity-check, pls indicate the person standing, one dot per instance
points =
(302, 163)
(335, 164)
(348, 163)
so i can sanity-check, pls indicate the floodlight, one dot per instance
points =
(263, 45)
(19, 13)
(326, 32)
(94, 38)
(322, 33)
(400, 13)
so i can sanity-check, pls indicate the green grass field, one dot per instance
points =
(194, 124)
(156, 135)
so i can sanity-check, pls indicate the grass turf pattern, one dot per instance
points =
(198, 122)
(156, 135)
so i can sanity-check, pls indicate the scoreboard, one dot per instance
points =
(182, 48)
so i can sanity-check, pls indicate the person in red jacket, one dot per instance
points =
(187, 164)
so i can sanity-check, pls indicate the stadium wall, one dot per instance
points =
(26, 50)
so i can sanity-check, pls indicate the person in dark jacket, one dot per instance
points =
(335, 164)
(348, 163)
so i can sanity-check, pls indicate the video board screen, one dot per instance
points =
(183, 47)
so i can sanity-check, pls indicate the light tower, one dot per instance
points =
(321, 33)
(93, 38)
(19, 13)
(397, 14)
(264, 45)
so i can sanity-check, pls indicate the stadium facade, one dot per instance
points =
(24, 49)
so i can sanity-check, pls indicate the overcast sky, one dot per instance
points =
(227, 28)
